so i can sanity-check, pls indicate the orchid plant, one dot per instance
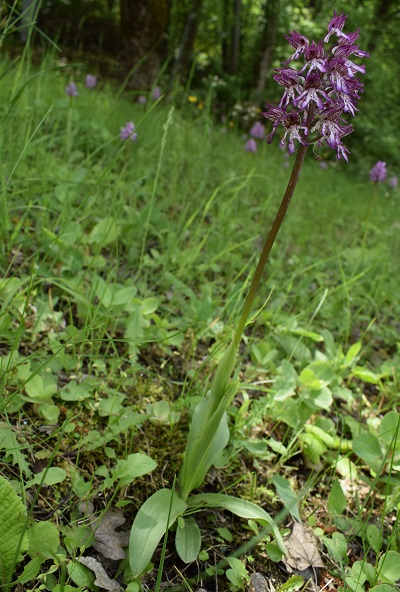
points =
(317, 98)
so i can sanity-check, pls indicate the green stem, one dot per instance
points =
(277, 223)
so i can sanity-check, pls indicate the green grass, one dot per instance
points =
(123, 270)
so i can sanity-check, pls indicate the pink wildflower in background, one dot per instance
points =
(128, 132)
(141, 100)
(251, 145)
(257, 131)
(71, 90)
(90, 81)
(156, 94)
(378, 172)
(393, 182)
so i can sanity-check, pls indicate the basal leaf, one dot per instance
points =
(13, 538)
(239, 507)
(149, 526)
(188, 540)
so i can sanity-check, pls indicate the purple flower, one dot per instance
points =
(142, 100)
(314, 56)
(290, 79)
(393, 182)
(71, 90)
(378, 172)
(257, 131)
(90, 81)
(335, 27)
(128, 132)
(251, 145)
(321, 91)
(156, 94)
(300, 44)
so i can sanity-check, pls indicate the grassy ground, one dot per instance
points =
(124, 266)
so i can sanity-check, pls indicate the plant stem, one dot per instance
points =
(255, 282)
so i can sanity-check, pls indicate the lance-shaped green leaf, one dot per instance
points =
(220, 382)
(149, 526)
(239, 507)
(188, 539)
(206, 440)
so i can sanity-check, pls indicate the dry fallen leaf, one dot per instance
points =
(107, 540)
(102, 578)
(302, 550)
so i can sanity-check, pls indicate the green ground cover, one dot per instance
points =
(123, 270)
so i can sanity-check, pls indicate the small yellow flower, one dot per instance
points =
(258, 110)
(200, 105)
(231, 124)
(192, 99)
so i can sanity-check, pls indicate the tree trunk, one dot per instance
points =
(236, 37)
(271, 15)
(185, 52)
(143, 24)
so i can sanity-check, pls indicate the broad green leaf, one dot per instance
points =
(44, 540)
(127, 470)
(366, 375)
(367, 447)
(80, 575)
(309, 379)
(9, 443)
(149, 526)
(49, 476)
(274, 552)
(374, 537)
(337, 500)
(294, 583)
(31, 570)
(104, 232)
(287, 496)
(13, 537)
(352, 353)
(41, 387)
(74, 391)
(383, 588)
(239, 507)
(337, 547)
(389, 429)
(389, 566)
(188, 540)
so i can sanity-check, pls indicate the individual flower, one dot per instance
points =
(71, 90)
(300, 44)
(128, 132)
(90, 81)
(290, 79)
(257, 131)
(156, 94)
(251, 145)
(192, 99)
(142, 100)
(321, 91)
(393, 182)
(378, 172)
